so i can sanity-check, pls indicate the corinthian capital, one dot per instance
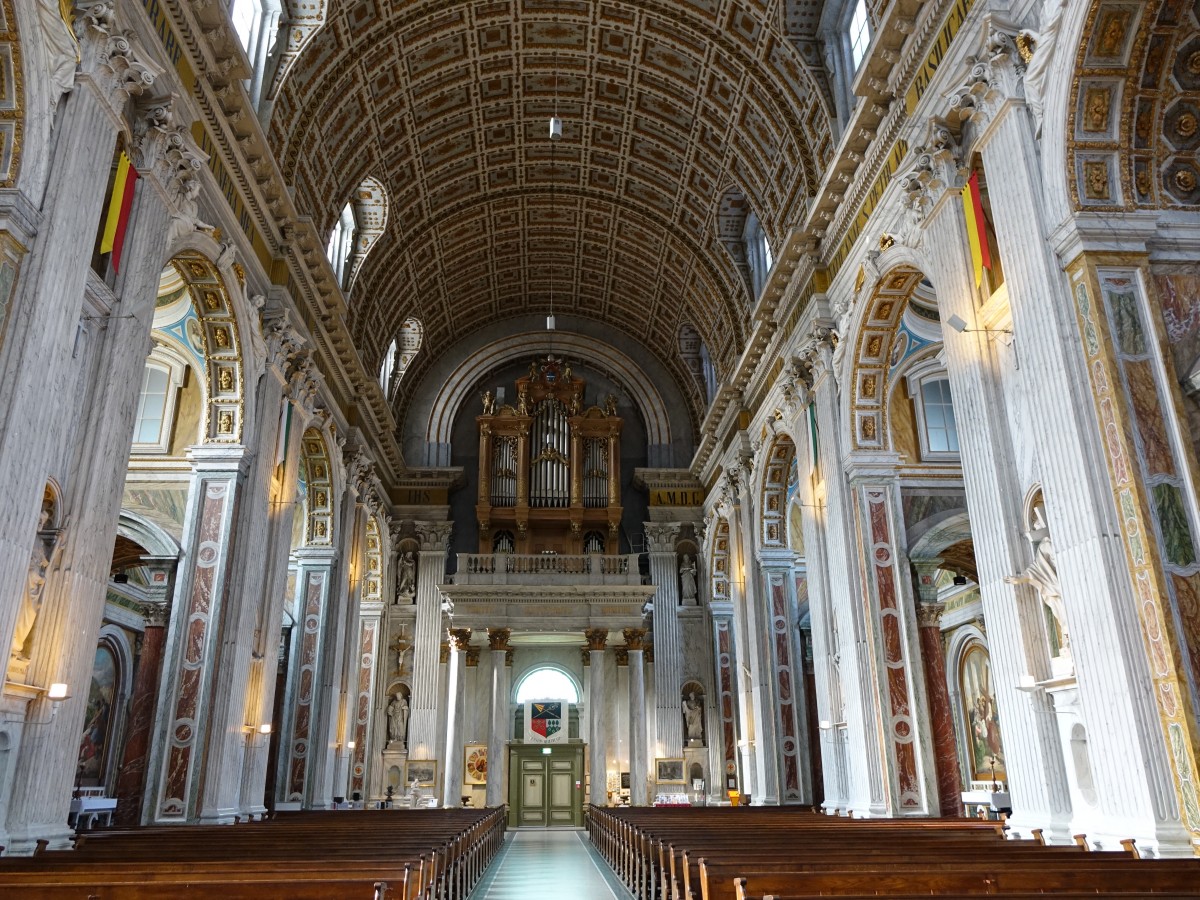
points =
(110, 57)
(661, 536)
(434, 536)
(991, 79)
(165, 152)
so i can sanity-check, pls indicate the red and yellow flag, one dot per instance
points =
(981, 256)
(118, 211)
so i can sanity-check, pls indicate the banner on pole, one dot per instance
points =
(545, 722)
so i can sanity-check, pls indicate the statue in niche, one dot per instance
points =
(1037, 52)
(1042, 575)
(693, 720)
(687, 581)
(489, 403)
(406, 580)
(62, 53)
(397, 720)
(35, 586)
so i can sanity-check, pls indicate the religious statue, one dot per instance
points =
(62, 53)
(397, 720)
(35, 585)
(693, 720)
(406, 580)
(489, 403)
(575, 405)
(687, 581)
(1042, 575)
(610, 405)
(523, 403)
(1037, 51)
(566, 375)
(533, 371)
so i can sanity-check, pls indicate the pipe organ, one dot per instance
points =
(549, 470)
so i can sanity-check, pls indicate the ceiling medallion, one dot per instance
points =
(1185, 180)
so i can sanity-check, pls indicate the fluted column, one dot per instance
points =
(639, 765)
(131, 780)
(284, 359)
(460, 640)
(497, 761)
(597, 731)
(668, 641)
(431, 571)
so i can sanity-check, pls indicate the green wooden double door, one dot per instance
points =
(545, 789)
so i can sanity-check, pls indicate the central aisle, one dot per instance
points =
(549, 863)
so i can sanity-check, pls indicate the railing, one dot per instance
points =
(547, 568)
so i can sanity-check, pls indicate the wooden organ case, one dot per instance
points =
(549, 470)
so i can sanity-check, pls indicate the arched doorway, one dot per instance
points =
(545, 767)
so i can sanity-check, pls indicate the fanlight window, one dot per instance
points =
(341, 242)
(547, 684)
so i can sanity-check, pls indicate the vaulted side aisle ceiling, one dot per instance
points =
(665, 105)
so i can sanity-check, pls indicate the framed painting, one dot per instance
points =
(422, 771)
(475, 764)
(669, 771)
(982, 720)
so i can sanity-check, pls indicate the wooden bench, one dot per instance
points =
(373, 855)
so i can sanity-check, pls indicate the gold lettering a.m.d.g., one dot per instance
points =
(677, 498)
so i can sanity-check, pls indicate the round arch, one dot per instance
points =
(221, 339)
(455, 389)
(553, 676)
(318, 505)
(773, 499)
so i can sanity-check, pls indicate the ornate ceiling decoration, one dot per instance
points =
(1134, 123)
(666, 104)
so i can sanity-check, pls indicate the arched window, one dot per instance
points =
(412, 335)
(710, 373)
(547, 684)
(341, 242)
(256, 22)
(156, 402)
(858, 32)
(758, 254)
(389, 363)
(941, 430)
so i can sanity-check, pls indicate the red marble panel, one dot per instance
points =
(724, 665)
(195, 662)
(941, 719)
(306, 678)
(787, 713)
(366, 668)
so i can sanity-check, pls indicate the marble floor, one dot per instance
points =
(552, 863)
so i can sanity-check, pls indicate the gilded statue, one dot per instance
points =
(610, 405)
(523, 403)
(489, 403)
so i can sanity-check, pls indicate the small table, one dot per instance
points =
(89, 806)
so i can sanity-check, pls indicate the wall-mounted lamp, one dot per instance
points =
(264, 728)
(1027, 683)
(824, 724)
(56, 694)
(960, 580)
(350, 745)
(960, 325)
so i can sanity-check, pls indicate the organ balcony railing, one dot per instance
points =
(547, 569)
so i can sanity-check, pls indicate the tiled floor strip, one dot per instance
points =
(549, 863)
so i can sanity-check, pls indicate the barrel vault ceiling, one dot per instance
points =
(665, 104)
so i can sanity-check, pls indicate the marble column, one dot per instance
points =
(843, 640)
(92, 480)
(40, 378)
(330, 726)
(790, 751)
(639, 766)
(497, 759)
(941, 716)
(181, 725)
(283, 359)
(131, 780)
(460, 640)
(894, 647)
(597, 733)
(668, 640)
(300, 748)
(431, 571)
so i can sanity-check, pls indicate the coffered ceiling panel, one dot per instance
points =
(665, 105)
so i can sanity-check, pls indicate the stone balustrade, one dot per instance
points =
(547, 569)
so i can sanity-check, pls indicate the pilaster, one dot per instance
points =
(497, 770)
(668, 642)
(597, 732)
(639, 763)
(431, 571)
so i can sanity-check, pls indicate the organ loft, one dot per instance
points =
(549, 467)
(531, 414)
